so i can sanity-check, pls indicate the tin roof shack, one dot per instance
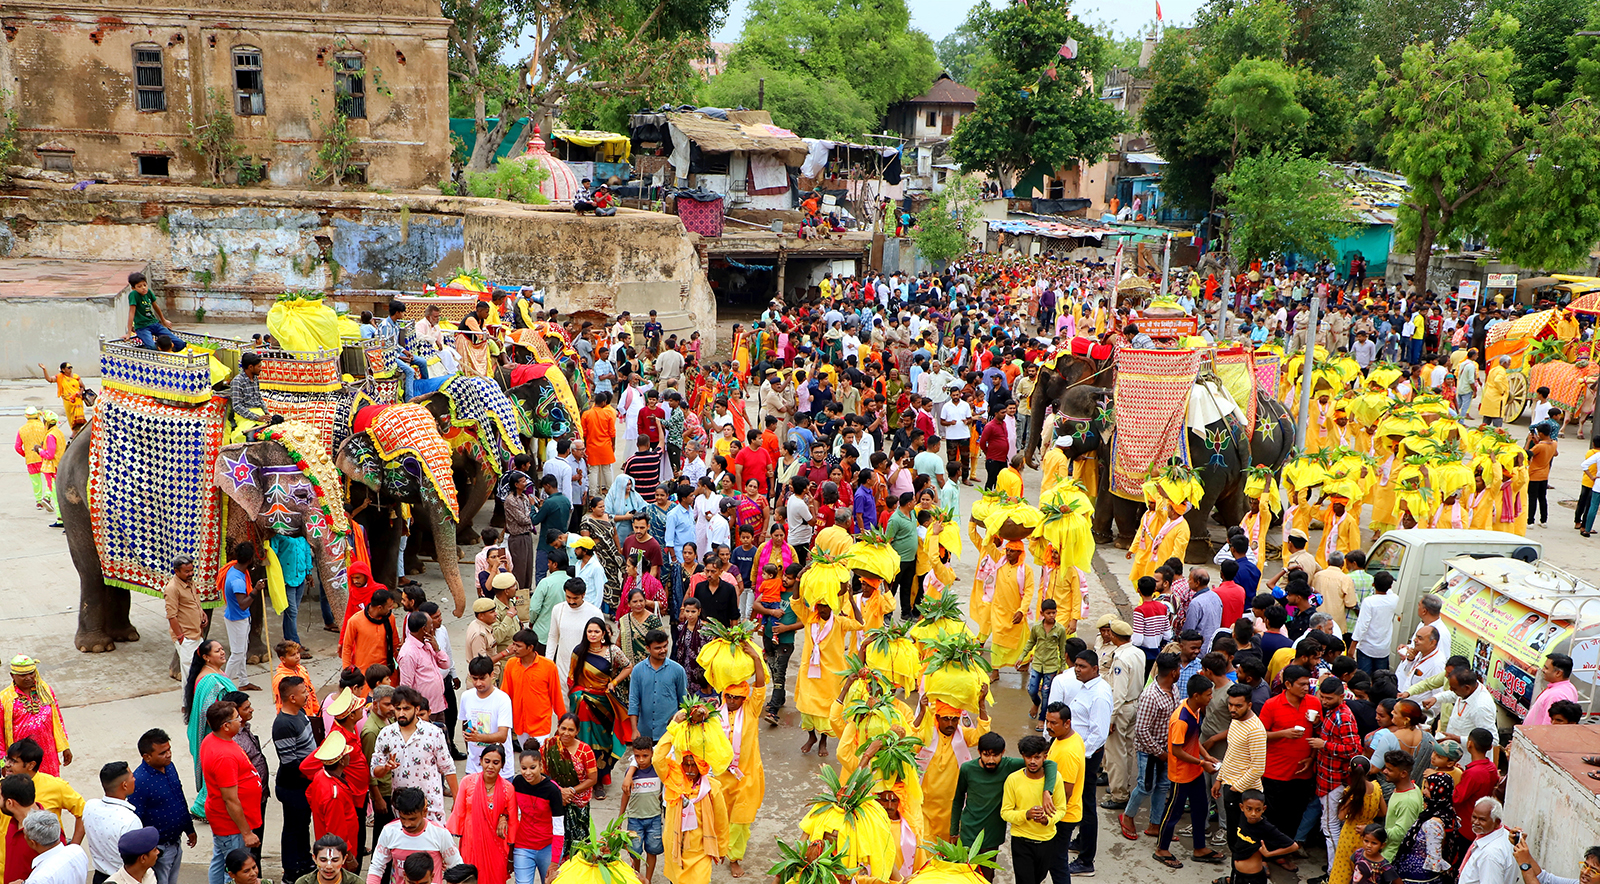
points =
(1550, 796)
(739, 154)
(1505, 615)
(110, 89)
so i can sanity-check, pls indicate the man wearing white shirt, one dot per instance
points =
(560, 467)
(580, 472)
(1429, 609)
(1473, 708)
(953, 417)
(1374, 629)
(1492, 857)
(54, 862)
(567, 623)
(1091, 718)
(107, 819)
(1429, 659)
(629, 404)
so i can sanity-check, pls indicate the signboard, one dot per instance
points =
(1467, 290)
(1160, 327)
(1505, 640)
(1502, 280)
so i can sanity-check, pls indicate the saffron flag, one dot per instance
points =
(1158, 10)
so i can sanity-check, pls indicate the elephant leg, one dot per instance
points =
(1128, 514)
(92, 636)
(1100, 526)
(118, 622)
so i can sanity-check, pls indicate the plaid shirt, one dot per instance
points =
(1150, 729)
(1338, 728)
(1363, 584)
(1188, 669)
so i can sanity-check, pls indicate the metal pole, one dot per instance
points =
(1305, 374)
(1166, 265)
(1224, 295)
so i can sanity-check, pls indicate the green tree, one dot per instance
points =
(962, 52)
(1541, 44)
(1280, 203)
(1035, 107)
(942, 229)
(1479, 163)
(581, 53)
(1389, 26)
(1257, 101)
(799, 102)
(852, 52)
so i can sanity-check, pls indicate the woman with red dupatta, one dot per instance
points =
(485, 817)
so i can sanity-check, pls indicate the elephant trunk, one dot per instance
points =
(1030, 448)
(444, 545)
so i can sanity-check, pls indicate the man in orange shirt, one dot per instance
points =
(534, 686)
(600, 441)
(1540, 452)
(370, 636)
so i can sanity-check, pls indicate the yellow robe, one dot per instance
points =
(849, 738)
(1485, 507)
(1174, 544)
(873, 611)
(689, 860)
(977, 608)
(1063, 584)
(1086, 470)
(1519, 489)
(814, 693)
(939, 778)
(1009, 481)
(1054, 470)
(1297, 516)
(1348, 536)
(1144, 562)
(1013, 594)
(744, 784)
(1496, 385)
(1317, 427)
(1384, 514)
(1255, 527)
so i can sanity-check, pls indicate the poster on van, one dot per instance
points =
(1504, 639)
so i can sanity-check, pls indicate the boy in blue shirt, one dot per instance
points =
(237, 594)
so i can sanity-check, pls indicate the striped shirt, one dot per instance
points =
(1247, 755)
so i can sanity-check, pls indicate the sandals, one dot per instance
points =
(1128, 830)
(1593, 775)
(1170, 862)
(1591, 760)
(1214, 858)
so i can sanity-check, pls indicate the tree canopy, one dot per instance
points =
(836, 65)
(962, 52)
(1035, 106)
(1283, 204)
(941, 231)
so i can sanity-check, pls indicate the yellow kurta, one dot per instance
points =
(1009, 482)
(1317, 427)
(1346, 534)
(943, 769)
(1063, 584)
(1384, 515)
(873, 610)
(1013, 594)
(977, 606)
(1255, 527)
(1174, 543)
(1495, 387)
(744, 783)
(1053, 471)
(814, 693)
(849, 737)
(1485, 507)
(1518, 521)
(689, 860)
(1086, 470)
(1143, 548)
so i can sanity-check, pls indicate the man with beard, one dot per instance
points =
(947, 745)
(980, 790)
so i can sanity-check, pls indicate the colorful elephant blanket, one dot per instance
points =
(1150, 406)
(482, 407)
(409, 430)
(151, 494)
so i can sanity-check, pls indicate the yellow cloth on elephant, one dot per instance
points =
(821, 658)
(694, 823)
(1053, 470)
(944, 768)
(277, 588)
(744, 782)
(1013, 595)
(241, 426)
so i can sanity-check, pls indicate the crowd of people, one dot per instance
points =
(1282, 714)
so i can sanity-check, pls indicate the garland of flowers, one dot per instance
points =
(302, 443)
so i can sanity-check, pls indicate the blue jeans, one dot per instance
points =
(1588, 513)
(291, 613)
(1414, 351)
(148, 335)
(646, 835)
(1370, 665)
(525, 861)
(407, 378)
(1039, 688)
(221, 846)
(166, 868)
(1309, 819)
(1151, 783)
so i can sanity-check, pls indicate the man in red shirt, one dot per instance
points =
(233, 788)
(332, 798)
(1288, 718)
(1478, 779)
(996, 446)
(751, 463)
(1231, 593)
(652, 418)
(770, 442)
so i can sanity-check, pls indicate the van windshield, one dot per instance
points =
(1386, 556)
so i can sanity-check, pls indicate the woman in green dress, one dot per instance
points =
(205, 685)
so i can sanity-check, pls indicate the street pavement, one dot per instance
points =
(110, 699)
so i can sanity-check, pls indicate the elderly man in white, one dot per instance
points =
(54, 862)
(1473, 708)
(1492, 857)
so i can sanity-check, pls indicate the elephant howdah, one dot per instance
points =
(1075, 396)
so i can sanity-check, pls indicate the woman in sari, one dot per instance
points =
(639, 580)
(603, 532)
(638, 620)
(623, 503)
(750, 509)
(485, 817)
(775, 549)
(570, 762)
(205, 685)
(598, 670)
(472, 342)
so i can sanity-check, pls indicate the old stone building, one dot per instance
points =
(113, 89)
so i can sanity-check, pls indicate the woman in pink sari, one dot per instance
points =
(775, 549)
(485, 817)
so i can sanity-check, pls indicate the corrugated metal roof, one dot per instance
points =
(1148, 159)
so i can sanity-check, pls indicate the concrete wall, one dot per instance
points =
(56, 330)
(1560, 815)
(72, 71)
(232, 252)
(1445, 272)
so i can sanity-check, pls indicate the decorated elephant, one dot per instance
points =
(132, 502)
(550, 402)
(483, 429)
(396, 455)
(1078, 388)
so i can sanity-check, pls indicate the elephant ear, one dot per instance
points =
(240, 479)
(410, 430)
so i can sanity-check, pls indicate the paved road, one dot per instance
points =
(112, 698)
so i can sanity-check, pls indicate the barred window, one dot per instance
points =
(350, 85)
(149, 82)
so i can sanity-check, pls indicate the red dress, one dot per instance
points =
(476, 819)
